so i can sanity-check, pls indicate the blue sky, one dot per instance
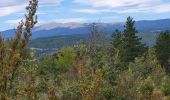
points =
(63, 11)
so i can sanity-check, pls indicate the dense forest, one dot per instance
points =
(123, 69)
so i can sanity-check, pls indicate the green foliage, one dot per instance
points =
(165, 86)
(132, 46)
(108, 92)
(162, 49)
(146, 86)
(72, 93)
(98, 57)
(66, 57)
(81, 51)
(142, 76)
(71, 40)
(47, 65)
(128, 44)
(92, 71)
(47, 68)
(117, 39)
(57, 41)
(111, 76)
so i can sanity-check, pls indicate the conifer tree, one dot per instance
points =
(116, 49)
(128, 44)
(117, 39)
(162, 49)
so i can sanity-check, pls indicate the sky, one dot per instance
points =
(63, 11)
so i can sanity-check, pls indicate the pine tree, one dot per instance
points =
(117, 39)
(162, 49)
(131, 43)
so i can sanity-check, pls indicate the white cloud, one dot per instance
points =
(94, 11)
(115, 3)
(162, 8)
(69, 20)
(12, 22)
(8, 7)
(123, 6)
(11, 9)
(50, 1)
(16, 2)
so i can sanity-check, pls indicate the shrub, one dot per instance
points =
(66, 57)
(146, 86)
(165, 87)
(72, 93)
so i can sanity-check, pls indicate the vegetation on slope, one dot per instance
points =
(124, 69)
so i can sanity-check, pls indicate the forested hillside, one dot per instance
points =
(71, 40)
(124, 68)
(58, 41)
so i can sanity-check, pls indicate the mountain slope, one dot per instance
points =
(55, 29)
(57, 41)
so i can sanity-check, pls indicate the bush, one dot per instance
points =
(72, 93)
(108, 92)
(165, 87)
(146, 86)
(66, 57)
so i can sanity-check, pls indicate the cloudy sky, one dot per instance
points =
(12, 11)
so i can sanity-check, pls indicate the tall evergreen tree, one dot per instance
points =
(132, 46)
(117, 39)
(162, 49)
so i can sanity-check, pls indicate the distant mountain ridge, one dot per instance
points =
(56, 29)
